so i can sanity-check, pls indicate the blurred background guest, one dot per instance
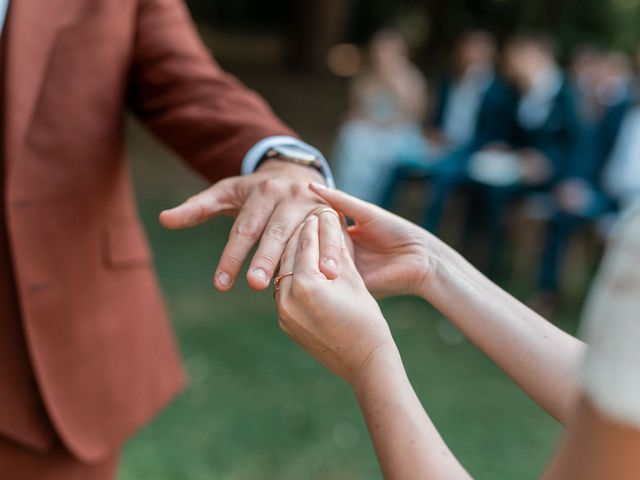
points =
(579, 198)
(546, 132)
(387, 107)
(474, 110)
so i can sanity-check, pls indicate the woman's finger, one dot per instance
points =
(308, 251)
(330, 235)
(287, 263)
(353, 207)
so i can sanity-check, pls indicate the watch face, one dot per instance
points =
(296, 153)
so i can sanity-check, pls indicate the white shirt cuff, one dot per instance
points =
(256, 153)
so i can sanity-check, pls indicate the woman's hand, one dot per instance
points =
(337, 321)
(394, 256)
(340, 324)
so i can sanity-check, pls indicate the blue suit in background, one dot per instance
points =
(493, 124)
(495, 120)
(595, 145)
(557, 139)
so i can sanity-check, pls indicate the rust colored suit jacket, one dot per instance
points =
(98, 339)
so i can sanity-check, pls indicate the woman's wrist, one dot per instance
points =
(439, 260)
(382, 364)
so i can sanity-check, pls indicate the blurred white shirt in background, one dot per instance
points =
(4, 4)
(536, 105)
(463, 107)
(622, 174)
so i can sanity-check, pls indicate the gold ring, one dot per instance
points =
(276, 281)
(320, 210)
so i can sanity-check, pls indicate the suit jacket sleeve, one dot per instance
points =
(204, 114)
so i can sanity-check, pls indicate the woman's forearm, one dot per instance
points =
(538, 356)
(407, 444)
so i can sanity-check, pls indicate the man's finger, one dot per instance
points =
(246, 231)
(353, 207)
(330, 234)
(286, 217)
(201, 207)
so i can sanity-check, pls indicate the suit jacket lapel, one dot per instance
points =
(30, 32)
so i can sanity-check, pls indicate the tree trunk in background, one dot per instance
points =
(317, 25)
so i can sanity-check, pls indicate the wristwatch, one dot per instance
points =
(293, 154)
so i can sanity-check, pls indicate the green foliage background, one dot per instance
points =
(611, 22)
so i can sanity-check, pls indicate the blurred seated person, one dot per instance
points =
(475, 105)
(592, 389)
(579, 198)
(385, 118)
(547, 131)
(585, 71)
(475, 109)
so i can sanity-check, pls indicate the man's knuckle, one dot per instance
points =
(297, 191)
(278, 231)
(270, 186)
(249, 231)
(232, 261)
(267, 260)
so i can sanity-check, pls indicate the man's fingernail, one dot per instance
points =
(224, 279)
(331, 263)
(261, 274)
(318, 186)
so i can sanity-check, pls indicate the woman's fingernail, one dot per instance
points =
(331, 263)
(261, 274)
(224, 279)
(318, 186)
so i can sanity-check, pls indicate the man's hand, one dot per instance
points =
(269, 205)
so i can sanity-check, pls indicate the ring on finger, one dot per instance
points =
(278, 279)
(320, 210)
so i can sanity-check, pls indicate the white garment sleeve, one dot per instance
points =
(256, 153)
(611, 327)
